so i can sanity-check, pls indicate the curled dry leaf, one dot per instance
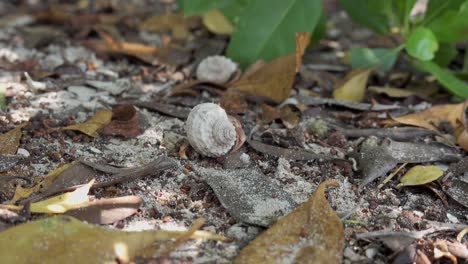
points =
(435, 116)
(10, 140)
(125, 122)
(275, 79)
(312, 232)
(101, 119)
(99, 244)
(353, 87)
(419, 175)
(107, 210)
(59, 204)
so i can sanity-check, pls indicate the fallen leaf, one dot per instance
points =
(90, 127)
(289, 154)
(435, 116)
(125, 122)
(107, 210)
(285, 114)
(311, 233)
(10, 140)
(419, 175)
(187, 88)
(177, 23)
(233, 102)
(45, 183)
(64, 239)
(60, 203)
(275, 79)
(422, 92)
(217, 23)
(353, 87)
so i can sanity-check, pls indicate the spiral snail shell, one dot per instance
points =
(216, 69)
(210, 131)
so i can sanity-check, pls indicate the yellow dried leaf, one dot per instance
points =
(217, 23)
(177, 23)
(10, 140)
(90, 127)
(353, 87)
(275, 79)
(419, 175)
(64, 239)
(60, 203)
(21, 192)
(402, 93)
(312, 233)
(435, 116)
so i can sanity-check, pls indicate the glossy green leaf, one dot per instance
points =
(445, 54)
(452, 25)
(419, 175)
(445, 77)
(402, 10)
(422, 44)
(435, 8)
(383, 59)
(197, 7)
(267, 28)
(369, 13)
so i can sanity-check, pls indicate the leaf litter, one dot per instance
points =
(125, 63)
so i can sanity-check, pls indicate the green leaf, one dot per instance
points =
(452, 25)
(2, 96)
(445, 54)
(422, 44)
(402, 9)
(383, 59)
(267, 29)
(369, 13)
(197, 7)
(445, 77)
(436, 7)
(419, 175)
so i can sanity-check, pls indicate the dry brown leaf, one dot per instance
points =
(233, 102)
(90, 127)
(275, 79)
(312, 233)
(285, 114)
(107, 210)
(435, 116)
(353, 87)
(10, 140)
(422, 92)
(125, 122)
(177, 23)
(187, 88)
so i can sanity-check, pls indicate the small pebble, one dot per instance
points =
(371, 252)
(23, 152)
(245, 158)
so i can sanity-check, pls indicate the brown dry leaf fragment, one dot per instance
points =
(435, 116)
(353, 87)
(64, 239)
(287, 116)
(233, 102)
(312, 233)
(187, 88)
(167, 109)
(107, 210)
(10, 140)
(422, 92)
(90, 127)
(275, 79)
(217, 23)
(125, 122)
(177, 23)
(45, 183)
